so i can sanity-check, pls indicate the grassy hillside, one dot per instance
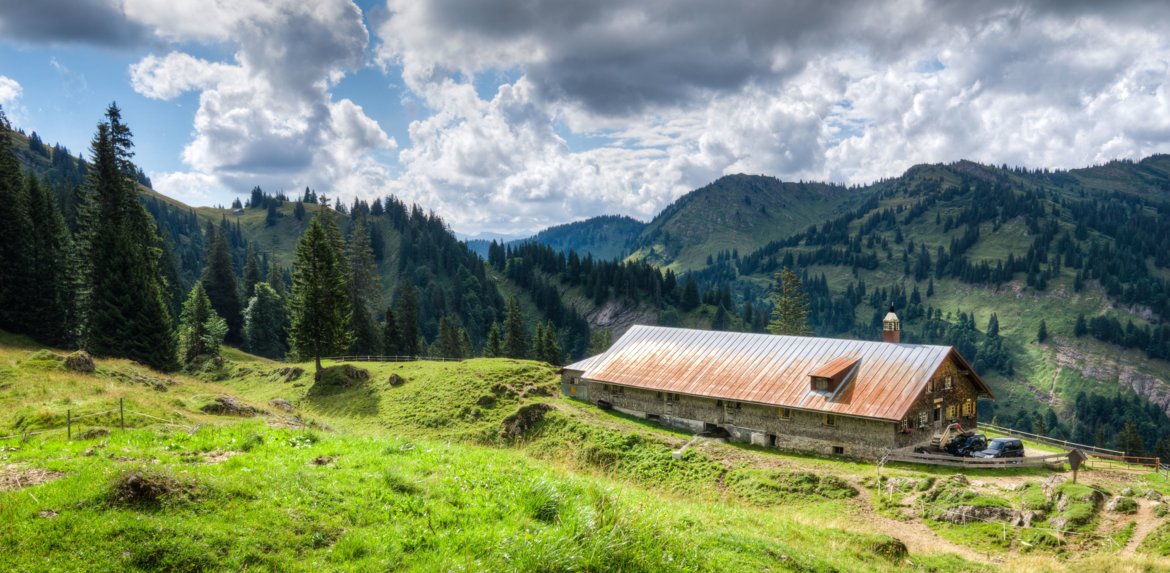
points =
(480, 466)
(741, 212)
(605, 237)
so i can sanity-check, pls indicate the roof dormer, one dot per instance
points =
(833, 374)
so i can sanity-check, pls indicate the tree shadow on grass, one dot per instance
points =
(354, 402)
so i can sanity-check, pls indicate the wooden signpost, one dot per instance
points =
(1075, 457)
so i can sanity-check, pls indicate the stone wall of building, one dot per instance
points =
(572, 386)
(768, 426)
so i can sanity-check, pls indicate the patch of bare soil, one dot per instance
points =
(1144, 522)
(209, 458)
(919, 538)
(13, 477)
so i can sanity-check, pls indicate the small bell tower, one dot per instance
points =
(891, 327)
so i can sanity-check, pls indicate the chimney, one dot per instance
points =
(891, 327)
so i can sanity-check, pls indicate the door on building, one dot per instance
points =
(938, 419)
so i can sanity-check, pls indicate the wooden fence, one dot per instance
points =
(371, 358)
(1052, 441)
(1052, 461)
(73, 422)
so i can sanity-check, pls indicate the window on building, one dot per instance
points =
(930, 386)
(822, 384)
(969, 408)
(949, 383)
(923, 418)
(838, 450)
(828, 419)
(952, 412)
(785, 413)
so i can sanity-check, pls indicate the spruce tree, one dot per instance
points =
(251, 274)
(515, 342)
(391, 339)
(264, 323)
(365, 289)
(276, 278)
(407, 316)
(201, 330)
(690, 299)
(219, 279)
(1081, 328)
(1042, 332)
(51, 301)
(450, 338)
(550, 347)
(493, 349)
(1130, 439)
(319, 311)
(122, 296)
(16, 230)
(789, 306)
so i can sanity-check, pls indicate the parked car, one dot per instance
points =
(965, 445)
(1002, 448)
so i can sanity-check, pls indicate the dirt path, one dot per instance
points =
(1145, 523)
(919, 538)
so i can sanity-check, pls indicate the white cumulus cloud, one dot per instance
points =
(267, 116)
(9, 91)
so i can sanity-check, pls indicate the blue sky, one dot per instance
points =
(507, 116)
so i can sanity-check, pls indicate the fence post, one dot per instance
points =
(122, 413)
(69, 424)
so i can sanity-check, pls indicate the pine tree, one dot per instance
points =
(251, 274)
(515, 342)
(51, 302)
(276, 278)
(721, 320)
(365, 289)
(391, 340)
(264, 323)
(993, 325)
(16, 228)
(789, 306)
(122, 296)
(299, 211)
(219, 279)
(201, 330)
(319, 311)
(1130, 440)
(407, 316)
(493, 348)
(599, 341)
(690, 299)
(1081, 328)
(550, 347)
(450, 343)
(1042, 332)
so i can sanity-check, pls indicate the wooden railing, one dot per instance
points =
(1051, 460)
(1052, 441)
(373, 358)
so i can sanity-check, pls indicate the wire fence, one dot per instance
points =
(73, 422)
(373, 358)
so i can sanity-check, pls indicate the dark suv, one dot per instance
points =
(966, 445)
(1002, 448)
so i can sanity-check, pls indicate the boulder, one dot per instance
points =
(396, 380)
(516, 425)
(281, 404)
(963, 514)
(228, 406)
(80, 361)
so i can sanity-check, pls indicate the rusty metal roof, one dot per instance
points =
(835, 367)
(772, 370)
